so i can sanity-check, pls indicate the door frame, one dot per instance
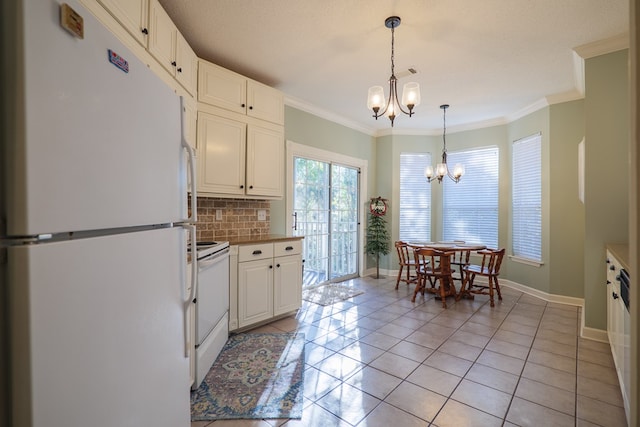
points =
(299, 150)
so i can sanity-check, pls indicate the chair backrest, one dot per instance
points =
(403, 252)
(492, 260)
(439, 261)
(461, 257)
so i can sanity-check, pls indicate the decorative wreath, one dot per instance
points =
(378, 206)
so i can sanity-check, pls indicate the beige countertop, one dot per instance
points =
(265, 238)
(621, 252)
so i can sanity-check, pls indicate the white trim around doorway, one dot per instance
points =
(299, 150)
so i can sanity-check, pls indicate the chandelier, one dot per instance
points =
(441, 168)
(410, 92)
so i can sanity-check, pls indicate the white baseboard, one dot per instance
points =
(585, 332)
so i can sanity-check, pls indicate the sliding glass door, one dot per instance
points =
(325, 212)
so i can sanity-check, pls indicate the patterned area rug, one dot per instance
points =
(255, 376)
(330, 293)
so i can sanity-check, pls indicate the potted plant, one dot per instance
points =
(377, 234)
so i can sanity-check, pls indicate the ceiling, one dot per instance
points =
(491, 60)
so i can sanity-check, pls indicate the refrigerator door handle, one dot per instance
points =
(192, 293)
(192, 165)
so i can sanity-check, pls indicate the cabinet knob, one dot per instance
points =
(242, 105)
(278, 265)
(145, 31)
(242, 186)
(608, 282)
(271, 266)
(179, 70)
(250, 187)
(612, 268)
(250, 107)
(614, 295)
(173, 63)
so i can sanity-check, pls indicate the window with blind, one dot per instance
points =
(415, 198)
(470, 207)
(526, 198)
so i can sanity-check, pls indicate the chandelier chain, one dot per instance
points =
(392, 50)
(444, 130)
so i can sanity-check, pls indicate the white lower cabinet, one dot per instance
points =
(618, 328)
(268, 281)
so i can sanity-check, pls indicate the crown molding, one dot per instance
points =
(604, 46)
(327, 115)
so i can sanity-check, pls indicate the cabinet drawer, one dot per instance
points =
(254, 252)
(290, 247)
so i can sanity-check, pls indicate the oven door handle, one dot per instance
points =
(213, 259)
(192, 293)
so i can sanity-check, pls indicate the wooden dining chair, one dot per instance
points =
(434, 267)
(407, 264)
(459, 260)
(489, 268)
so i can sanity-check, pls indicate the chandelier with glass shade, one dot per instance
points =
(410, 92)
(442, 169)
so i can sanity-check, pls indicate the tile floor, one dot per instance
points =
(379, 360)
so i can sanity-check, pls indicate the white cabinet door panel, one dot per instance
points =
(221, 155)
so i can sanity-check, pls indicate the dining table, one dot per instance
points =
(451, 246)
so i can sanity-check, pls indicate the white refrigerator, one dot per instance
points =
(94, 218)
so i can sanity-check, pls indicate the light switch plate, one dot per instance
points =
(262, 215)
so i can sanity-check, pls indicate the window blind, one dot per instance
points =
(415, 198)
(527, 198)
(470, 207)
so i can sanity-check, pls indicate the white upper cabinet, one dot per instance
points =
(264, 102)
(265, 162)
(223, 88)
(221, 155)
(186, 65)
(239, 159)
(132, 15)
(170, 48)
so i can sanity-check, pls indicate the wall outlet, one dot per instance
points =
(218, 214)
(262, 215)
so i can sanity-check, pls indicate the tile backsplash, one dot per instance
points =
(239, 218)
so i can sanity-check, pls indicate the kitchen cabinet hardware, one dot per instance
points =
(173, 63)
(179, 70)
(288, 248)
(614, 295)
(145, 31)
(257, 252)
(612, 268)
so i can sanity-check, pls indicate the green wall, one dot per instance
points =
(606, 173)
(574, 234)
(566, 222)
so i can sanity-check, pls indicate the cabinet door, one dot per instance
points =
(265, 162)
(255, 291)
(264, 102)
(221, 155)
(287, 284)
(221, 87)
(186, 65)
(162, 37)
(132, 14)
